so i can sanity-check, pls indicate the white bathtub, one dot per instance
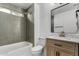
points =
(17, 49)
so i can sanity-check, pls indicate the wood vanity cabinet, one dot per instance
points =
(61, 48)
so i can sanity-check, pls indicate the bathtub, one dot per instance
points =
(17, 49)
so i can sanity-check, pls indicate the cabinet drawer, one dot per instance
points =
(63, 52)
(61, 44)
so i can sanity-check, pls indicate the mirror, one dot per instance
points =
(66, 21)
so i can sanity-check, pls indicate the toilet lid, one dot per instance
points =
(37, 48)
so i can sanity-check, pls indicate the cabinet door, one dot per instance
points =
(50, 51)
(63, 52)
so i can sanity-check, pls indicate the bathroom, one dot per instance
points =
(39, 29)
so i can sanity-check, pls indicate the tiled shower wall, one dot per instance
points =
(12, 28)
(30, 24)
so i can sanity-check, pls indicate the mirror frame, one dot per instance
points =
(52, 20)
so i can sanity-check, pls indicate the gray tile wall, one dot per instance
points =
(12, 29)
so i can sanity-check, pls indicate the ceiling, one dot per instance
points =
(27, 5)
(22, 5)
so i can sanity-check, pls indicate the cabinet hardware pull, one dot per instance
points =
(58, 45)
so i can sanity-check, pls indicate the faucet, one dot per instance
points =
(62, 34)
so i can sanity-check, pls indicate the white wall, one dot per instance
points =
(36, 23)
(42, 18)
(45, 19)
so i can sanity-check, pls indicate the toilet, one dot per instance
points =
(37, 50)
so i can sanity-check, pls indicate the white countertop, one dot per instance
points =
(74, 40)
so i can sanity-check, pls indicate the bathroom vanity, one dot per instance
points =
(64, 19)
(62, 46)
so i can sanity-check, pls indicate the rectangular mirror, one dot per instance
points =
(65, 21)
